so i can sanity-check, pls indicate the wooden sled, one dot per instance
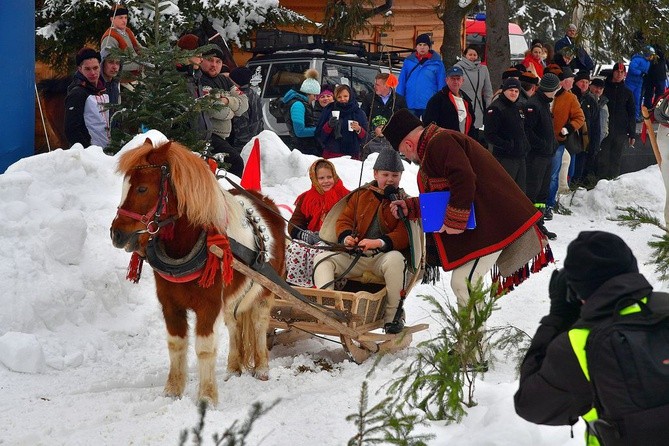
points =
(362, 300)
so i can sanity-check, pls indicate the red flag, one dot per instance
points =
(251, 174)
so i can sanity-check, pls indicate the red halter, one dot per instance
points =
(152, 218)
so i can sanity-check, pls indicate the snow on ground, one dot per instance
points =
(83, 356)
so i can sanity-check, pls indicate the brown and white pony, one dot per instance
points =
(171, 206)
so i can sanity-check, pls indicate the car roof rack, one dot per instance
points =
(272, 41)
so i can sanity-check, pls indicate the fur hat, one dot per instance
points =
(241, 76)
(424, 38)
(550, 82)
(310, 84)
(529, 78)
(188, 42)
(118, 10)
(595, 257)
(510, 72)
(510, 82)
(401, 123)
(87, 53)
(389, 160)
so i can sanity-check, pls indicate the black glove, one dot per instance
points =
(562, 311)
(332, 122)
(309, 237)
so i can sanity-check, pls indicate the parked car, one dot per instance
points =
(475, 30)
(281, 58)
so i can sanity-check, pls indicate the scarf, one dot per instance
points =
(316, 202)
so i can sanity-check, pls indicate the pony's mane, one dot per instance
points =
(199, 196)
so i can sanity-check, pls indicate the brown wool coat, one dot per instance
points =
(358, 216)
(566, 110)
(455, 162)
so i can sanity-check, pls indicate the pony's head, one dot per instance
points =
(161, 187)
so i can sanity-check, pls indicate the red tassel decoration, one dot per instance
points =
(214, 263)
(135, 268)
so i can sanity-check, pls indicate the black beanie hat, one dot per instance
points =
(510, 82)
(215, 52)
(400, 125)
(241, 76)
(85, 54)
(424, 38)
(595, 257)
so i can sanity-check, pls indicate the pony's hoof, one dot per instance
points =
(231, 373)
(173, 391)
(261, 374)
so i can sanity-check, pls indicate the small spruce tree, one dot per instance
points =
(385, 423)
(441, 379)
(637, 216)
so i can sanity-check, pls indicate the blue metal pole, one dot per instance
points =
(17, 81)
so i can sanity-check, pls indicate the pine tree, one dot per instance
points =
(637, 216)
(385, 423)
(159, 100)
(441, 380)
(64, 26)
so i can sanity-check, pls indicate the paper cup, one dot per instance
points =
(350, 128)
(335, 113)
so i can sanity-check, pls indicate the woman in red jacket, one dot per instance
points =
(533, 60)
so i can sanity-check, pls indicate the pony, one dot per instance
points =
(172, 211)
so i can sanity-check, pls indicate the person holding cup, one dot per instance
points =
(341, 128)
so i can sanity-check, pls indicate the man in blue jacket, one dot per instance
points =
(637, 70)
(423, 74)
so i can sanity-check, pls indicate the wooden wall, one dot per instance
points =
(409, 19)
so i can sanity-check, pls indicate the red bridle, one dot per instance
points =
(152, 218)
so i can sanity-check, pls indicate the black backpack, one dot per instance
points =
(277, 108)
(628, 362)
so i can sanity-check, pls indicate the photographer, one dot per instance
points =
(561, 379)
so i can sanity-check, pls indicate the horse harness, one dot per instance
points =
(192, 265)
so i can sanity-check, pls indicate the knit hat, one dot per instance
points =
(597, 82)
(215, 52)
(510, 72)
(529, 78)
(595, 257)
(582, 74)
(324, 92)
(241, 76)
(549, 82)
(619, 66)
(510, 82)
(188, 42)
(424, 38)
(87, 53)
(454, 71)
(389, 160)
(401, 123)
(118, 10)
(310, 84)
(572, 27)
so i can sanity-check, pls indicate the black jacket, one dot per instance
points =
(373, 106)
(622, 111)
(590, 109)
(77, 93)
(441, 110)
(504, 128)
(250, 123)
(539, 125)
(553, 389)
